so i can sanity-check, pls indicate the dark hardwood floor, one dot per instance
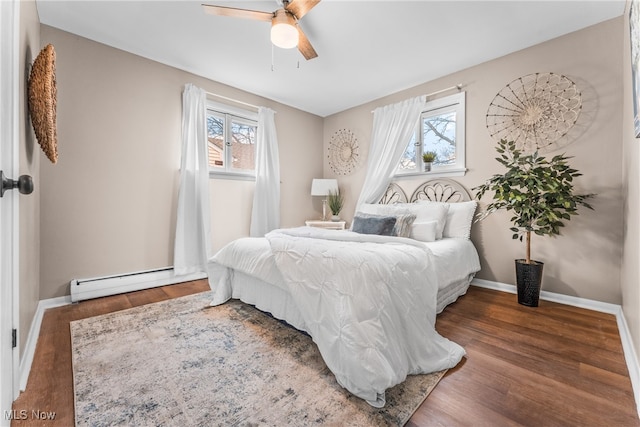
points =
(553, 365)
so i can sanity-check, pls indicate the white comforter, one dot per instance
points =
(369, 302)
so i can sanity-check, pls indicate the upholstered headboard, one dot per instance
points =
(435, 190)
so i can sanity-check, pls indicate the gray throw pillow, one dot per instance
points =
(382, 225)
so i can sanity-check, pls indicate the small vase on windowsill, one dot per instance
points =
(428, 158)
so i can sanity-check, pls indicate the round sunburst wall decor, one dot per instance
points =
(535, 111)
(344, 152)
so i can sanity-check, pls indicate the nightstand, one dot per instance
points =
(329, 225)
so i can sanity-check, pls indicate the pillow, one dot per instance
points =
(459, 218)
(402, 228)
(382, 210)
(424, 212)
(373, 224)
(425, 231)
(404, 223)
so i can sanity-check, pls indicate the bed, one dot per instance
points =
(319, 281)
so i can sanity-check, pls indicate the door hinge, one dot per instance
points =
(14, 338)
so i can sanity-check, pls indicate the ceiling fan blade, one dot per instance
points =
(238, 13)
(299, 8)
(304, 46)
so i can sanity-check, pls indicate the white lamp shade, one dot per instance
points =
(284, 33)
(322, 187)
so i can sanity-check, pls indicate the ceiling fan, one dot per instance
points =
(285, 29)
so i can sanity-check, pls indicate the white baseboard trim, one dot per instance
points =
(34, 331)
(111, 286)
(630, 355)
(589, 304)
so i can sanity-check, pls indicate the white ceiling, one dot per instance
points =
(366, 49)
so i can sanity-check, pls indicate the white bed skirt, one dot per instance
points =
(456, 262)
(279, 303)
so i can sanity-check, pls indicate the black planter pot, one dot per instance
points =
(529, 280)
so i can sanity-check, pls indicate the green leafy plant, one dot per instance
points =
(537, 190)
(335, 201)
(429, 156)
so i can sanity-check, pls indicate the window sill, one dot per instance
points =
(237, 176)
(435, 173)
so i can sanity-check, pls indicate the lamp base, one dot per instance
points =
(324, 209)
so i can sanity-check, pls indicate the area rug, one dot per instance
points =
(183, 363)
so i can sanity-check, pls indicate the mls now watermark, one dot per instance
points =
(34, 414)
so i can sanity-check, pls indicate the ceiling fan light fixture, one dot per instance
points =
(284, 33)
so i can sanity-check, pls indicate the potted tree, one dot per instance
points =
(428, 157)
(539, 192)
(336, 202)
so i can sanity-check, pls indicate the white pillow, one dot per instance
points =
(459, 218)
(424, 212)
(376, 209)
(424, 231)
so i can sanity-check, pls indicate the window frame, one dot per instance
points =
(241, 116)
(452, 103)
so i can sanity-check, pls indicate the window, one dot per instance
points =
(231, 137)
(441, 130)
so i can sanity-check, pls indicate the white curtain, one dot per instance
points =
(265, 215)
(393, 126)
(193, 245)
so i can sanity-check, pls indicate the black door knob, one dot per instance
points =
(24, 184)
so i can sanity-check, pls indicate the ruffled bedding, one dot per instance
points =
(368, 301)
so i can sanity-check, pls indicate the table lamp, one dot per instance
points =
(322, 187)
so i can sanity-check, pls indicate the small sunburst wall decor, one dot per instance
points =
(535, 111)
(344, 152)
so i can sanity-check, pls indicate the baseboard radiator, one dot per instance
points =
(84, 289)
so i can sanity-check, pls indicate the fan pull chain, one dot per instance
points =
(273, 56)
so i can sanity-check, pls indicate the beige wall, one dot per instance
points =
(585, 261)
(108, 205)
(631, 173)
(30, 155)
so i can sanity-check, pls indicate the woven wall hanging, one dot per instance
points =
(344, 152)
(535, 111)
(42, 95)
